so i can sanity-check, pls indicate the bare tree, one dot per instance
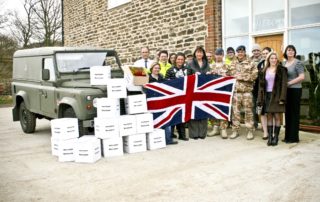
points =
(22, 28)
(8, 46)
(48, 21)
(3, 18)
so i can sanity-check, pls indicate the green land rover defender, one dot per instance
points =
(54, 82)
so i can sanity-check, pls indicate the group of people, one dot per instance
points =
(264, 86)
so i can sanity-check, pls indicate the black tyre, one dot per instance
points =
(69, 113)
(27, 119)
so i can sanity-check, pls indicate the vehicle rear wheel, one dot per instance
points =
(27, 119)
(69, 113)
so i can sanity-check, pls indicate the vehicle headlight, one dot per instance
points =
(88, 97)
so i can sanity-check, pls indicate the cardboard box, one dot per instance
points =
(136, 104)
(88, 149)
(67, 150)
(65, 128)
(54, 146)
(107, 107)
(136, 76)
(105, 128)
(99, 75)
(135, 143)
(112, 147)
(156, 139)
(144, 123)
(127, 125)
(117, 88)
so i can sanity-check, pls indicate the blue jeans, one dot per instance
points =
(167, 131)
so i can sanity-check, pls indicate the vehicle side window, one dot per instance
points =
(48, 64)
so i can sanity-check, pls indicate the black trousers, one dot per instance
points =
(198, 128)
(293, 114)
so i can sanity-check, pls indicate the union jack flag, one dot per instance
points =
(190, 97)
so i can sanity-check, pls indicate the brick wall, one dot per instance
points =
(214, 22)
(175, 25)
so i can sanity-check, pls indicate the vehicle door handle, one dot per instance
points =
(43, 93)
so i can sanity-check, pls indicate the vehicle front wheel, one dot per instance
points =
(27, 119)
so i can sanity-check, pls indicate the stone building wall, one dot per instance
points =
(174, 25)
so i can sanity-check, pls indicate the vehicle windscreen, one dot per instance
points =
(82, 61)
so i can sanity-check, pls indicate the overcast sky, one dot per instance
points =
(11, 5)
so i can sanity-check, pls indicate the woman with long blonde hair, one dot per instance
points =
(272, 95)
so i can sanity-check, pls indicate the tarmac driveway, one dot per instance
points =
(198, 170)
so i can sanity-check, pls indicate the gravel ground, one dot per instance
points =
(198, 170)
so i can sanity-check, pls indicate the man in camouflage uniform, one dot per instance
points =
(222, 69)
(246, 74)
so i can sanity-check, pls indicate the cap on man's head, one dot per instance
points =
(256, 47)
(219, 51)
(229, 49)
(241, 48)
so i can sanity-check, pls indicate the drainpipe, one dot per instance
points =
(62, 22)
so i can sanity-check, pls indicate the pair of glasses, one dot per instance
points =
(230, 52)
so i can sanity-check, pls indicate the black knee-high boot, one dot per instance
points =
(276, 135)
(182, 132)
(270, 135)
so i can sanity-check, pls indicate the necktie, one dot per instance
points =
(146, 64)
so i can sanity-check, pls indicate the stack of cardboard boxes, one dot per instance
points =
(68, 147)
(113, 133)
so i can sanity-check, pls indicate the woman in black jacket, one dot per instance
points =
(198, 65)
(272, 94)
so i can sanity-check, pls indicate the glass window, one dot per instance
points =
(48, 64)
(115, 3)
(237, 41)
(268, 14)
(82, 61)
(306, 41)
(237, 17)
(304, 12)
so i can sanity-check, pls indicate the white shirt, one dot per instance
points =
(141, 63)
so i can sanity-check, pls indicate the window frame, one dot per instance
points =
(116, 3)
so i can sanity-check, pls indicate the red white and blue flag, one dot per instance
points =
(190, 97)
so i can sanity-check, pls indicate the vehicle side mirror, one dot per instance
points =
(45, 74)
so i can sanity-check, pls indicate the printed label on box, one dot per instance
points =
(55, 146)
(99, 75)
(107, 107)
(156, 139)
(112, 147)
(144, 123)
(67, 150)
(127, 125)
(136, 104)
(65, 128)
(105, 128)
(117, 88)
(88, 149)
(135, 143)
